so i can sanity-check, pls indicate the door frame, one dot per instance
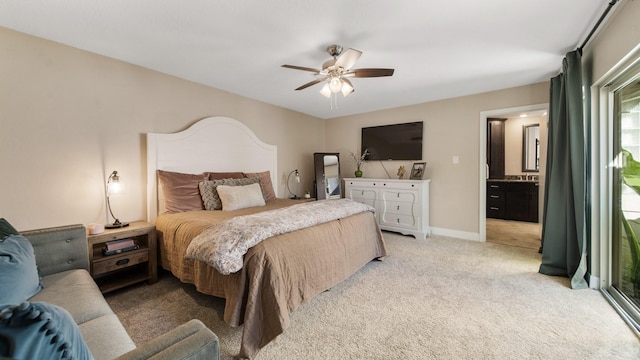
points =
(484, 115)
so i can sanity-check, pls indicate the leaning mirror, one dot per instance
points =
(332, 177)
(328, 181)
(531, 148)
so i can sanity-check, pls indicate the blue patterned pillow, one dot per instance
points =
(19, 278)
(40, 331)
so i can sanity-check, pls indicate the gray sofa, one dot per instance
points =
(62, 258)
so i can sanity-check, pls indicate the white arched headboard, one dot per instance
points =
(216, 144)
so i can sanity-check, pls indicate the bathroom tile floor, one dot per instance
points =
(514, 233)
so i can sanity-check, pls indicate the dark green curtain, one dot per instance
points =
(564, 250)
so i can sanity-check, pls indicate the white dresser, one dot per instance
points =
(401, 205)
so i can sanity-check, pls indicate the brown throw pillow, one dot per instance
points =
(265, 184)
(223, 175)
(181, 192)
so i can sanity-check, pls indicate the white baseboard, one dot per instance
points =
(594, 281)
(455, 233)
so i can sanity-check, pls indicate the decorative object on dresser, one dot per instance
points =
(358, 161)
(114, 187)
(401, 172)
(328, 181)
(401, 205)
(115, 263)
(297, 178)
(417, 171)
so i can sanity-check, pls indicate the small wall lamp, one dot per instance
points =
(114, 187)
(293, 196)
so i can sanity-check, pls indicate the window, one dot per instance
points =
(622, 233)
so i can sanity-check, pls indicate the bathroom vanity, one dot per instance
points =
(512, 200)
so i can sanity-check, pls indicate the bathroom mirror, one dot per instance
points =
(531, 148)
(328, 181)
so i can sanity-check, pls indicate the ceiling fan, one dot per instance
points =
(335, 72)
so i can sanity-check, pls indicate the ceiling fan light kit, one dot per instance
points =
(335, 72)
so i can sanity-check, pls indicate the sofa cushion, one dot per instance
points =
(40, 331)
(76, 291)
(18, 270)
(6, 229)
(103, 346)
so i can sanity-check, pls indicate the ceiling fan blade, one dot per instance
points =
(361, 73)
(311, 83)
(348, 58)
(301, 68)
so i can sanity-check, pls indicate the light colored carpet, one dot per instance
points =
(440, 298)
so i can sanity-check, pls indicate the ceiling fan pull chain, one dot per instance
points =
(334, 101)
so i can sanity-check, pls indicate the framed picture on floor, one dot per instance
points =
(417, 170)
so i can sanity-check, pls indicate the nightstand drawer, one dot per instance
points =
(120, 261)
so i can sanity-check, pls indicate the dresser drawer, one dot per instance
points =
(364, 196)
(399, 196)
(397, 220)
(361, 183)
(399, 208)
(120, 261)
(402, 185)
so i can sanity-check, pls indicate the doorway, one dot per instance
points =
(506, 227)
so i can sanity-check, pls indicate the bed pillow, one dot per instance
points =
(181, 191)
(210, 196)
(6, 229)
(265, 184)
(18, 270)
(224, 175)
(40, 330)
(240, 197)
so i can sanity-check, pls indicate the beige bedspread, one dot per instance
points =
(279, 274)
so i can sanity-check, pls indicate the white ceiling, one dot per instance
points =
(439, 49)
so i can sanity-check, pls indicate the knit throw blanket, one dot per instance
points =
(224, 244)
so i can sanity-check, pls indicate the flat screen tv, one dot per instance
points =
(393, 142)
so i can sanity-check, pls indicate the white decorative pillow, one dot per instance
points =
(240, 197)
(209, 192)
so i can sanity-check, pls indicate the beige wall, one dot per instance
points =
(69, 118)
(452, 128)
(617, 38)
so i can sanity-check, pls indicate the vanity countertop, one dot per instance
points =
(512, 180)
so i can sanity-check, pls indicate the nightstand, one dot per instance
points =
(113, 272)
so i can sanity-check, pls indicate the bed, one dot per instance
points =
(278, 274)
